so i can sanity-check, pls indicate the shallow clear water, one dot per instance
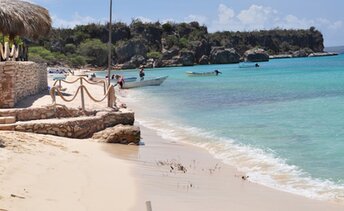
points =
(281, 123)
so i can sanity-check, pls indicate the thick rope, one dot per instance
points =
(68, 82)
(106, 94)
(54, 90)
(110, 92)
(81, 78)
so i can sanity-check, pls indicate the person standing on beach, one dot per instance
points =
(120, 80)
(142, 72)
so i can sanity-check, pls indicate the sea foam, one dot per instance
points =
(261, 165)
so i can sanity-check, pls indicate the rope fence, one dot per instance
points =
(108, 93)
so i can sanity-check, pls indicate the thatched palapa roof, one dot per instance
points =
(24, 19)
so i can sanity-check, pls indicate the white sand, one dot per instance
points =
(52, 173)
(62, 174)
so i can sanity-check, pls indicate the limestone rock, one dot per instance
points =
(204, 60)
(200, 48)
(220, 55)
(256, 55)
(127, 50)
(123, 134)
(168, 55)
(187, 58)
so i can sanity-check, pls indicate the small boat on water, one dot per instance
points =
(146, 82)
(130, 79)
(248, 64)
(212, 73)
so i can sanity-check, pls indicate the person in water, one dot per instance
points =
(142, 73)
(217, 72)
(257, 65)
(120, 80)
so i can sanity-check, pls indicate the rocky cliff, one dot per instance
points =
(176, 44)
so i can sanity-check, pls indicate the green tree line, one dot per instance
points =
(87, 44)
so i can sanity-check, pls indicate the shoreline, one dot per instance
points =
(205, 184)
(234, 172)
(40, 172)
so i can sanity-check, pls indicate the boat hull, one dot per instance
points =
(149, 82)
(201, 73)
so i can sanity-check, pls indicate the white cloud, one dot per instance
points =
(293, 22)
(225, 15)
(256, 16)
(336, 25)
(200, 19)
(76, 20)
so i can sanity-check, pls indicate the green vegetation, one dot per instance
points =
(154, 55)
(87, 44)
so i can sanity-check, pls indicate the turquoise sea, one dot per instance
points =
(281, 123)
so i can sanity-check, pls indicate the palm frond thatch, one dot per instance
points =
(24, 19)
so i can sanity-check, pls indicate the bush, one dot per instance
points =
(95, 51)
(77, 61)
(154, 55)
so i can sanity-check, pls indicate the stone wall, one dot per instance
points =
(20, 79)
(44, 112)
(77, 126)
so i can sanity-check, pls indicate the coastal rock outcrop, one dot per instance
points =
(128, 65)
(300, 53)
(187, 58)
(256, 55)
(203, 60)
(169, 54)
(138, 60)
(123, 134)
(200, 48)
(221, 55)
(127, 50)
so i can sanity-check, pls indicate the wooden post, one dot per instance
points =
(149, 205)
(82, 95)
(109, 53)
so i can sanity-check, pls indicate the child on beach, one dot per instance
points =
(120, 80)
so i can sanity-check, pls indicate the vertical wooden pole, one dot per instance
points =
(149, 205)
(109, 56)
(82, 95)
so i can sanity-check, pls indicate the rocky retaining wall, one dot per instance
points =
(46, 112)
(82, 127)
(20, 79)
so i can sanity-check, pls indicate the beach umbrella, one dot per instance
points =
(24, 19)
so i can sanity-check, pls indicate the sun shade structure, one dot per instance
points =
(23, 19)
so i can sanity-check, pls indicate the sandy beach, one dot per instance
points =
(43, 172)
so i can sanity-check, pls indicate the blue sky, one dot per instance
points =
(217, 15)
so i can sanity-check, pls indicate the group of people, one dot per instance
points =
(120, 79)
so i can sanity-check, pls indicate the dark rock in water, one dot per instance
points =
(129, 49)
(204, 60)
(220, 55)
(256, 55)
(123, 134)
(187, 58)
